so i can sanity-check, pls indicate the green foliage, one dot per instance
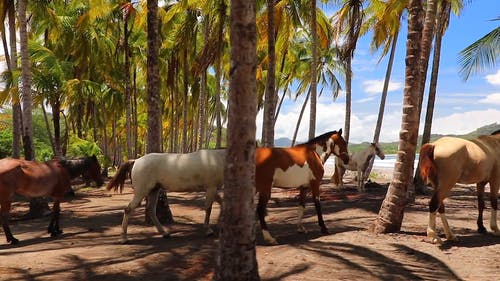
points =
(79, 147)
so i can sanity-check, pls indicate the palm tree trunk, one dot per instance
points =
(185, 101)
(270, 96)
(237, 256)
(314, 65)
(218, 71)
(348, 98)
(383, 98)
(300, 117)
(443, 17)
(128, 98)
(16, 105)
(391, 212)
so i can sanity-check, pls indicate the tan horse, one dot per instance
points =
(451, 160)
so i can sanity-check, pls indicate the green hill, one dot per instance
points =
(392, 147)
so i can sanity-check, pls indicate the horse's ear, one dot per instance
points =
(94, 157)
(340, 131)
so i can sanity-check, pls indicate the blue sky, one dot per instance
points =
(461, 106)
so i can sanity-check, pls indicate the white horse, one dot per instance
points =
(358, 161)
(202, 170)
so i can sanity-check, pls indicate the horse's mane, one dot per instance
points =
(495, 132)
(319, 138)
(76, 167)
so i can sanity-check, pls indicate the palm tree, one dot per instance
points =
(237, 257)
(12, 66)
(443, 17)
(270, 97)
(314, 95)
(481, 54)
(153, 101)
(391, 213)
(349, 22)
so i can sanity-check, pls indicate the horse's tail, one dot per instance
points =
(117, 182)
(428, 168)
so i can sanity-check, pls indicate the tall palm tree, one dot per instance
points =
(237, 258)
(442, 21)
(153, 101)
(349, 21)
(314, 82)
(27, 100)
(391, 212)
(270, 96)
(16, 105)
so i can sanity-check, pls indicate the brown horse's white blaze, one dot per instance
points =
(292, 167)
(451, 160)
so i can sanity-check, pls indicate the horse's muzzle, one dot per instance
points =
(345, 158)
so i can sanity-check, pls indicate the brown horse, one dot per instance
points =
(292, 167)
(36, 179)
(451, 160)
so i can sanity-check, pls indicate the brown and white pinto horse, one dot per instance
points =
(292, 167)
(451, 160)
(36, 179)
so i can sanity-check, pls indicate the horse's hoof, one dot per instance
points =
(13, 241)
(271, 242)
(123, 241)
(325, 231)
(166, 235)
(482, 230)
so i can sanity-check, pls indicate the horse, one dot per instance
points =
(358, 161)
(451, 160)
(35, 179)
(202, 170)
(297, 166)
(88, 167)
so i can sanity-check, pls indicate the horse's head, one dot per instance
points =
(338, 146)
(378, 151)
(93, 170)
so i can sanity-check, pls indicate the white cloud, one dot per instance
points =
(491, 99)
(464, 122)
(376, 86)
(330, 116)
(494, 79)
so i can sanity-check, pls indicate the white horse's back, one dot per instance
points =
(180, 172)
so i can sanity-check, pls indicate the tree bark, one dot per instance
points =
(237, 258)
(391, 212)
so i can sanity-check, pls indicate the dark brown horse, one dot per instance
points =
(292, 167)
(37, 179)
(450, 160)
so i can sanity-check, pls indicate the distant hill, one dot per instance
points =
(392, 147)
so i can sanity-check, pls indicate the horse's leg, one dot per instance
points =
(209, 200)
(317, 204)
(261, 212)
(480, 207)
(446, 226)
(127, 212)
(494, 186)
(341, 176)
(300, 209)
(4, 219)
(431, 228)
(361, 186)
(53, 228)
(151, 210)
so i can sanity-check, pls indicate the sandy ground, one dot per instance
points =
(88, 249)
